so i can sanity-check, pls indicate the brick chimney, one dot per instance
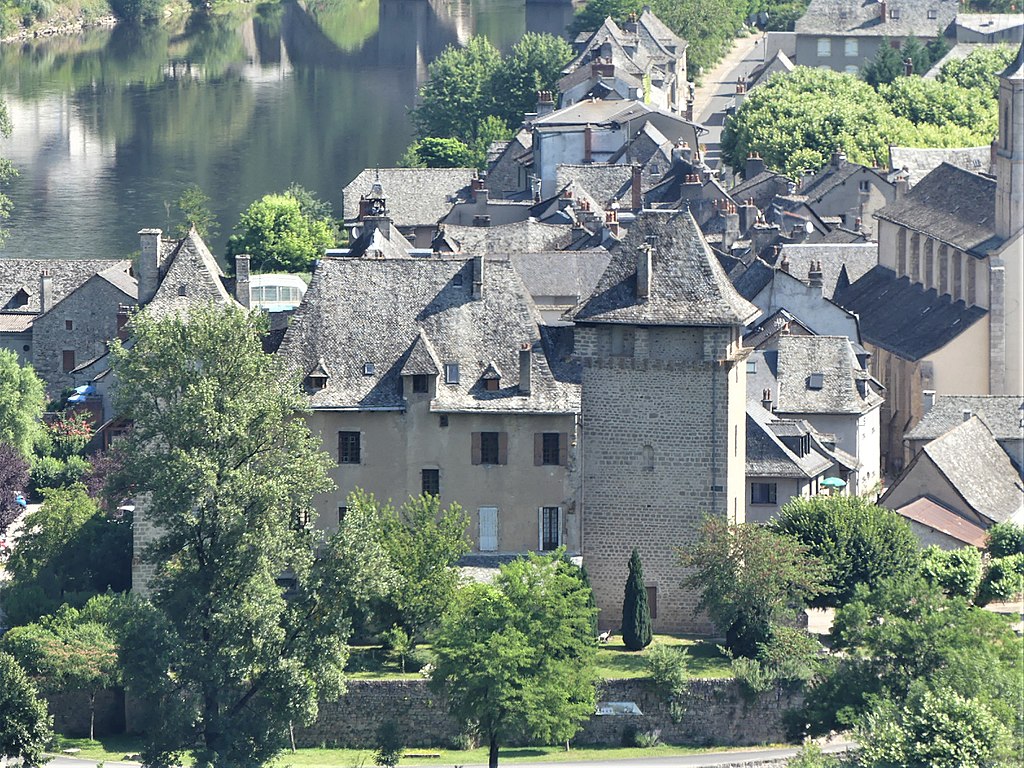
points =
(882, 11)
(545, 103)
(45, 291)
(732, 225)
(525, 368)
(242, 293)
(611, 222)
(636, 202)
(478, 277)
(815, 277)
(149, 263)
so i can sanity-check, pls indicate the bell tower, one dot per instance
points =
(1009, 146)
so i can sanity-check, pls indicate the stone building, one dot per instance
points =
(663, 411)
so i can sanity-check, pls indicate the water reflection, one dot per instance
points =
(111, 125)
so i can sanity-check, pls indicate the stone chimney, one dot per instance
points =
(927, 400)
(588, 144)
(784, 263)
(763, 235)
(636, 201)
(45, 291)
(815, 277)
(149, 263)
(545, 103)
(882, 11)
(838, 158)
(748, 215)
(688, 112)
(741, 92)
(902, 187)
(766, 399)
(242, 293)
(732, 225)
(753, 166)
(644, 266)
(525, 368)
(478, 277)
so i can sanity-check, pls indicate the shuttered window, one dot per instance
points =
(550, 449)
(490, 447)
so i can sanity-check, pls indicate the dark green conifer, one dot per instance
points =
(636, 614)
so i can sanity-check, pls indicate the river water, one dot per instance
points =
(111, 125)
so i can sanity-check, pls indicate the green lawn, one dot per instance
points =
(615, 662)
(114, 748)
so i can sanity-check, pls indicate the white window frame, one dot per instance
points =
(480, 524)
(851, 47)
(540, 527)
(824, 47)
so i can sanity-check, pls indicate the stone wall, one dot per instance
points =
(714, 712)
(71, 713)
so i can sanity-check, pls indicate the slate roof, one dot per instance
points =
(688, 285)
(561, 273)
(761, 74)
(780, 320)
(602, 113)
(118, 277)
(768, 456)
(15, 322)
(800, 357)
(604, 183)
(1002, 414)
(971, 459)
(66, 275)
(863, 18)
(761, 188)
(918, 162)
(832, 176)
(903, 317)
(840, 235)
(937, 516)
(858, 258)
(956, 53)
(527, 236)
(954, 206)
(384, 311)
(416, 197)
(191, 278)
(753, 279)
(987, 23)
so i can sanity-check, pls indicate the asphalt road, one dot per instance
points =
(683, 761)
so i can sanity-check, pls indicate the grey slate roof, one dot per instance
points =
(779, 321)
(359, 311)
(66, 275)
(761, 189)
(858, 258)
(768, 456)
(752, 280)
(917, 162)
(416, 197)
(561, 273)
(863, 18)
(971, 459)
(688, 285)
(119, 278)
(604, 183)
(832, 176)
(1002, 414)
(831, 356)
(903, 317)
(761, 74)
(527, 236)
(191, 278)
(951, 205)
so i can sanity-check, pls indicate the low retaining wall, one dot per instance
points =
(713, 713)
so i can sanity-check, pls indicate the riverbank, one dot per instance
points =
(60, 25)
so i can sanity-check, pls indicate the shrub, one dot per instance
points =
(666, 666)
(1005, 539)
(1003, 580)
(52, 472)
(957, 572)
(753, 676)
(390, 745)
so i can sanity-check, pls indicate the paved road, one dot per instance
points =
(683, 761)
(718, 88)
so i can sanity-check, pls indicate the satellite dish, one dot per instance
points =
(357, 231)
(808, 227)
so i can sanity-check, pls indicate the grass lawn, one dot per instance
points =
(114, 748)
(615, 662)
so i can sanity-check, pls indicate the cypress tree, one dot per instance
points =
(636, 614)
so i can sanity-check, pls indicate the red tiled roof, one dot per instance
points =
(931, 513)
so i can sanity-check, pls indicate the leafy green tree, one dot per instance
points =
(516, 657)
(592, 15)
(957, 572)
(390, 745)
(21, 403)
(278, 235)
(709, 26)
(433, 152)
(227, 473)
(934, 729)
(591, 602)
(458, 93)
(636, 613)
(1003, 579)
(884, 67)
(7, 171)
(666, 666)
(1005, 539)
(534, 64)
(67, 652)
(859, 542)
(70, 551)
(980, 69)
(24, 724)
(423, 542)
(750, 579)
(194, 207)
(920, 57)
(941, 104)
(137, 11)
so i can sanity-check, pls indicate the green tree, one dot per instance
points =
(516, 657)
(920, 58)
(636, 613)
(21, 403)
(228, 469)
(979, 70)
(1005, 539)
(24, 724)
(70, 551)
(194, 207)
(941, 104)
(859, 542)
(278, 235)
(750, 579)
(423, 542)
(458, 93)
(67, 652)
(1003, 579)
(957, 572)
(709, 26)
(390, 745)
(137, 11)
(433, 152)
(534, 64)
(884, 67)
(591, 602)
(592, 15)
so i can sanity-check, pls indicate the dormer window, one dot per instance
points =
(491, 377)
(183, 289)
(420, 386)
(369, 369)
(491, 385)
(933, 14)
(816, 381)
(317, 378)
(894, 13)
(317, 382)
(451, 373)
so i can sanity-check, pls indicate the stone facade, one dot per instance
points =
(665, 446)
(70, 713)
(714, 713)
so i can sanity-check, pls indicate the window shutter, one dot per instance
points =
(476, 447)
(538, 449)
(503, 447)
(563, 448)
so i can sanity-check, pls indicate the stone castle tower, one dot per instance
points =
(663, 412)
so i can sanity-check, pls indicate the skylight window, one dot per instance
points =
(816, 381)
(451, 373)
(369, 369)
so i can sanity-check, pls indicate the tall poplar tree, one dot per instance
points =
(636, 613)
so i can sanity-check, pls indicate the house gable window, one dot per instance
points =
(763, 493)
(69, 325)
(851, 47)
(68, 360)
(349, 448)
(451, 373)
